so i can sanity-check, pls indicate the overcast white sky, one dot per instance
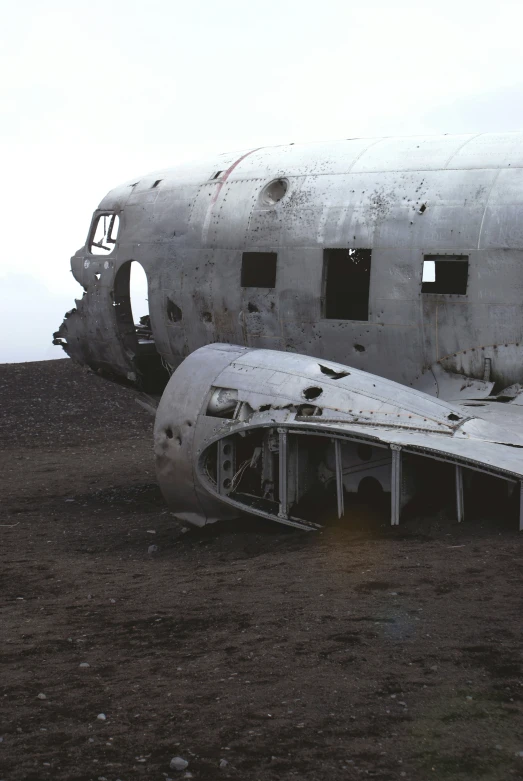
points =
(94, 92)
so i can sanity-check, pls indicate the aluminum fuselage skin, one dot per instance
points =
(401, 198)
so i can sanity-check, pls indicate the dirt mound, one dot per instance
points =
(250, 650)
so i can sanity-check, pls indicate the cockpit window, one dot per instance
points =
(104, 234)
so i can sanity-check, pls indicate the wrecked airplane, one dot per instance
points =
(325, 321)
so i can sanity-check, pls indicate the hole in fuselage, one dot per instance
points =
(174, 313)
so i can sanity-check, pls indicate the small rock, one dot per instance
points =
(152, 549)
(151, 531)
(101, 717)
(434, 668)
(498, 746)
(42, 696)
(519, 753)
(184, 530)
(84, 664)
(393, 593)
(178, 763)
(223, 763)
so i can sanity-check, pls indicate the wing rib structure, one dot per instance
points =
(293, 439)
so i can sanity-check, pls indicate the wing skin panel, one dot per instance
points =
(272, 401)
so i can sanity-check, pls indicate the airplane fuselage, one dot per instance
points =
(318, 249)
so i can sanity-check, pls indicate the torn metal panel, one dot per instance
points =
(453, 387)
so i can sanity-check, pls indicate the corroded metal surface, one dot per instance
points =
(240, 250)
(401, 198)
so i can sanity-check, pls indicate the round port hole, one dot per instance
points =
(273, 192)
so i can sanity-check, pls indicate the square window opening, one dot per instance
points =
(346, 275)
(104, 234)
(445, 274)
(259, 269)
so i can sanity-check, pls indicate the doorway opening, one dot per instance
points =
(131, 304)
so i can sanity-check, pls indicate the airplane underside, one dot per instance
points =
(294, 439)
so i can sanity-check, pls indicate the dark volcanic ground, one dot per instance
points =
(250, 650)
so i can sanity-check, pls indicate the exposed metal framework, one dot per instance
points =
(366, 429)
